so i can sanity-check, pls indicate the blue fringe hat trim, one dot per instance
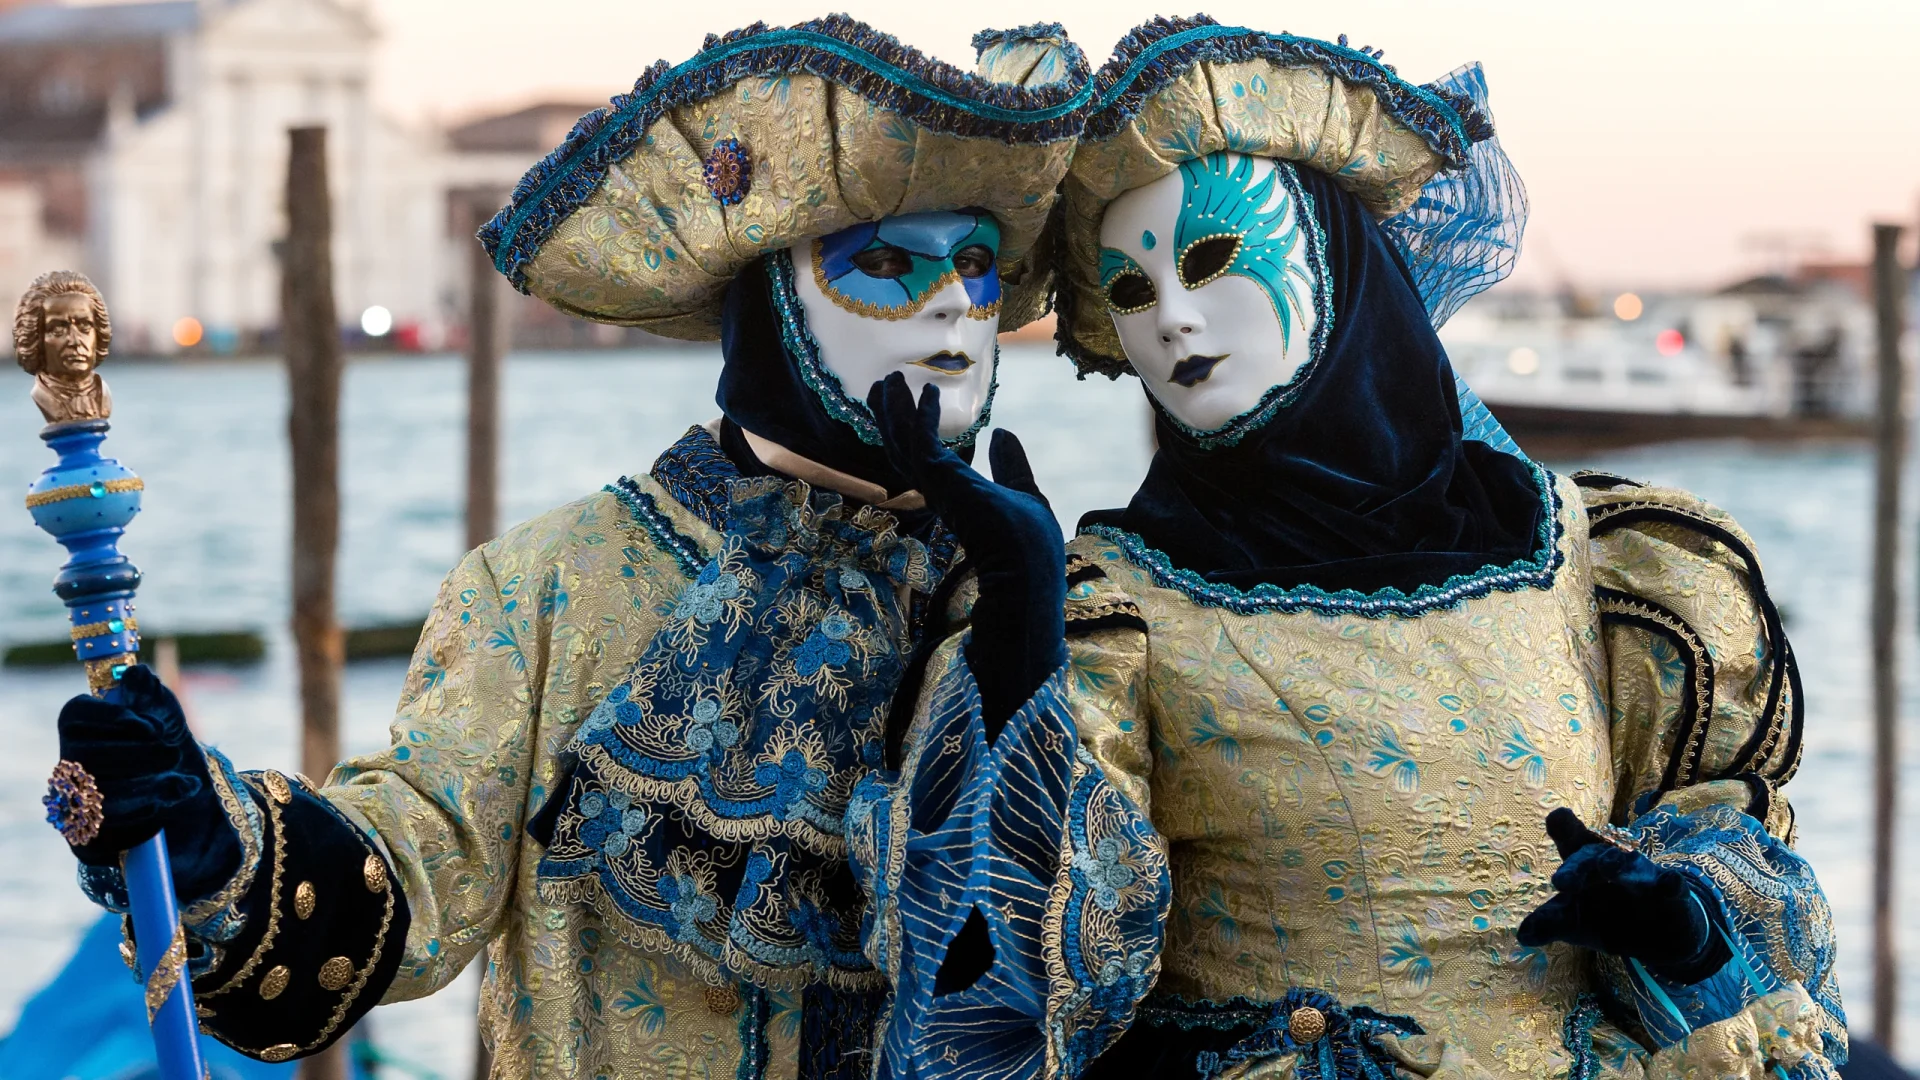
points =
(1051, 32)
(1156, 53)
(932, 94)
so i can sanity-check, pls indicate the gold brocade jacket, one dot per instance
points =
(531, 633)
(1348, 808)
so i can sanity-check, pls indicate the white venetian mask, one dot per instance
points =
(1216, 279)
(914, 293)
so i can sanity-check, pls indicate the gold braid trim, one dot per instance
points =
(81, 491)
(1099, 609)
(273, 902)
(95, 629)
(1702, 684)
(684, 796)
(893, 314)
(166, 974)
(222, 899)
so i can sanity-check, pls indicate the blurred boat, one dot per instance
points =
(1768, 359)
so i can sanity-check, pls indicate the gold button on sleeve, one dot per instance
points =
(335, 973)
(276, 786)
(375, 873)
(274, 982)
(279, 1052)
(303, 899)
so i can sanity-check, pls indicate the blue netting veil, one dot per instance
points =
(1462, 236)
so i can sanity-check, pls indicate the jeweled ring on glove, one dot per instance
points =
(1615, 836)
(73, 803)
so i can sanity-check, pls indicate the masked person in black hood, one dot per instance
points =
(631, 727)
(1334, 686)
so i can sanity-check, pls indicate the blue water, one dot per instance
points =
(213, 541)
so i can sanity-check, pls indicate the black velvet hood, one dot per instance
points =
(1363, 481)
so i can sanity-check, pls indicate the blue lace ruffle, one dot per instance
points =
(1534, 572)
(968, 826)
(706, 810)
(1774, 914)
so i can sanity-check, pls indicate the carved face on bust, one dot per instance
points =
(913, 293)
(69, 343)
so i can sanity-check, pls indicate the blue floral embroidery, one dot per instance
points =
(1104, 873)
(705, 599)
(713, 779)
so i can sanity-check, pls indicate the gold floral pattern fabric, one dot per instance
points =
(529, 632)
(1355, 805)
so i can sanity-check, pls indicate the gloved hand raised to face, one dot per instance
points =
(1618, 901)
(152, 775)
(1010, 537)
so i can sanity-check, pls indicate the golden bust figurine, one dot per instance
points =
(60, 335)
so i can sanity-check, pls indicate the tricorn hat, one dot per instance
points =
(1422, 158)
(768, 137)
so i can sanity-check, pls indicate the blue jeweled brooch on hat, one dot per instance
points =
(728, 171)
(73, 803)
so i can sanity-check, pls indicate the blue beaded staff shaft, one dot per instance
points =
(85, 501)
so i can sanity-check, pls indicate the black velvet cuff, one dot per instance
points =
(325, 928)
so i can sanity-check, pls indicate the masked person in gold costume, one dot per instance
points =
(625, 745)
(1369, 747)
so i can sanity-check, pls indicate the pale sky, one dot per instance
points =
(1663, 142)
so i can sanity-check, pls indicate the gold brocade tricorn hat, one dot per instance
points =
(768, 137)
(1421, 158)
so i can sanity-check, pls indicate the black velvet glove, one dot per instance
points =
(151, 773)
(1616, 901)
(1010, 536)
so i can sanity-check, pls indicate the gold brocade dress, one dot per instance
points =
(1350, 813)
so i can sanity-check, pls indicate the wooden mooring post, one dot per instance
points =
(485, 348)
(1889, 290)
(311, 327)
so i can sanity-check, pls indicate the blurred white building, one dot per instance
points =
(148, 141)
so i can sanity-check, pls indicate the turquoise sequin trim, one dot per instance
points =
(1534, 572)
(684, 552)
(825, 385)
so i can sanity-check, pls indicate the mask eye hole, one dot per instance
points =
(973, 261)
(1131, 291)
(884, 262)
(1207, 258)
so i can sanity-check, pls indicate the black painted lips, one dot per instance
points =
(946, 363)
(1194, 369)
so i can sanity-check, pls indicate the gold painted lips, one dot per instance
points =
(945, 363)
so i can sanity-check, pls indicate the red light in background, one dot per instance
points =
(1670, 342)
